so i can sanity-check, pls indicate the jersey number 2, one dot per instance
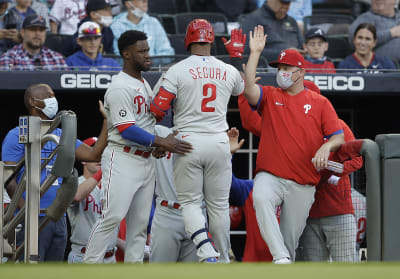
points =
(206, 88)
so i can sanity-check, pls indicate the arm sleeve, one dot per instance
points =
(251, 120)
(137, 134)
(354, 163)
(240, 190)
(330, 121)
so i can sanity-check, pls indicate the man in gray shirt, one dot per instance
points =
(282, 30)
(386, 18)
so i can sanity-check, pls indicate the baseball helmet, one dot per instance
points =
(199, 31)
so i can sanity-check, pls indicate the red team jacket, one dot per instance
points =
(292, 147)
(328, 201)
(336, 199)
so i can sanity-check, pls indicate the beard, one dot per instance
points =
(34, 46)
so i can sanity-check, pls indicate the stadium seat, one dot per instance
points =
(339, 46)
(168, 6)
(331, 24)
(168, 22)
(61, 43)
(177, 42)
(218, 20)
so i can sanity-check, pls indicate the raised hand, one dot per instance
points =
(234, 142)
(257, 39)
(235, 46)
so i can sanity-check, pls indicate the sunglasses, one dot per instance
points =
(91, 31)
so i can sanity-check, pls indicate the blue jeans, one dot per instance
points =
(52, 240)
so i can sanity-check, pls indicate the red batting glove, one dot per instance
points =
(235, 46)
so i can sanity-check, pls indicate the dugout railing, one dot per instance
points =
(34, 133)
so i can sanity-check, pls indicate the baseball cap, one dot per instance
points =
(287, 1)
(89, 29)
(4, 1)
(90, 141)
(314, 33)
(289, 57)
(95, 5)
(34, 20)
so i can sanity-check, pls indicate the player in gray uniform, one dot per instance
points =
(86, 210)
(360, 212)
(128, 170)
(169, 241)
(201, 86)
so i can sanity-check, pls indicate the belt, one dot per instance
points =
(144, 154)
(170, 204)
(108, 254)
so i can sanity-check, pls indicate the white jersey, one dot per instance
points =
(203, 86)
(360, 212)
(165, 187)
(127, 101)
(6, 197)
(83, 215)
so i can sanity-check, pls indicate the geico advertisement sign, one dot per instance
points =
(338, 83)
(85, 80)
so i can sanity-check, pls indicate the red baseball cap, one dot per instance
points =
(90, 141)
(289, 57)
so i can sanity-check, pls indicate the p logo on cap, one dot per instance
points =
(289, 57)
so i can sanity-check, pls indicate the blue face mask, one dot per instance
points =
(50, 107)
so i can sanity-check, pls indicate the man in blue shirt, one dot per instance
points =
(136, 18)
(90, 58)
(40, 101)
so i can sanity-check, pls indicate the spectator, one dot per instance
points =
(40, 101)
(9, 35)
(65, 16)
(136, 18)
(89, 58)
(364, 57)
(99, 11)
(23, 8)
(386, 18)
(282, 29)
(298, 10)
(315, 47)
(31, 54)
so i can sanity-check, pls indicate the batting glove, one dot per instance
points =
(235, 46)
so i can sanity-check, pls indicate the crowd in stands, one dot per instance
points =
(345, 40)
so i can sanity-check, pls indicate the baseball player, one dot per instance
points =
(85, 211)
(200, 87)
(360, 213)
(330, 233)
(128, 170)
(294, 125)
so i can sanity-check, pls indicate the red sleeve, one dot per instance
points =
(329, 119)
(251, 120)
(123, 127)
(354, 163)
(97, 175)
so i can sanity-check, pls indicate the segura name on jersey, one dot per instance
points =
(207, 72)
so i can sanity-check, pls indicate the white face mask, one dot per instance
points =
(106, 20)
(284, 79)
(138, 12)
(50, 107)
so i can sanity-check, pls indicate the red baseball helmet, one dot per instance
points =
(199, 31)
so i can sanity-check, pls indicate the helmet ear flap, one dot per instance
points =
(199, 31)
